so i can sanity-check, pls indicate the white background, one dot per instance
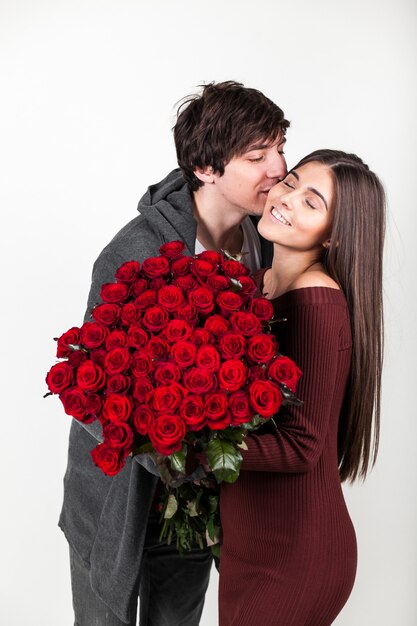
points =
(88, 90)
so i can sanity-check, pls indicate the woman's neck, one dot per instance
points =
(287, 267)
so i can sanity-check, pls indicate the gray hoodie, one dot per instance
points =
(105, 518)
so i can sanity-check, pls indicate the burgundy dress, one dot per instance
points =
(288, 556)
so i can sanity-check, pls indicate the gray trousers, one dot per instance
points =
(171, 591)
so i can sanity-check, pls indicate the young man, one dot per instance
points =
(229, 141)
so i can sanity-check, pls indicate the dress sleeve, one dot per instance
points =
(312, 341)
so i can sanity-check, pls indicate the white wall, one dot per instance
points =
(88, 89)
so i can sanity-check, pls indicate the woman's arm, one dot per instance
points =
(312, 341)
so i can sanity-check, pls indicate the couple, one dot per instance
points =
(288, 555)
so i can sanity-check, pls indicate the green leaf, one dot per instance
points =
(224, 459)
(192, 508)
(215, 550)
(232, 434)
(177, 460)
(172, 507)
(144, 448)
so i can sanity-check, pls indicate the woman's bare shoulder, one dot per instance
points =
(315, 278)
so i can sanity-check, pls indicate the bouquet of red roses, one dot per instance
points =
(178, 362)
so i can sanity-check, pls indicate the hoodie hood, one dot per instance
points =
(173, 189)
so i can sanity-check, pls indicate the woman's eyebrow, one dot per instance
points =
(294, 173)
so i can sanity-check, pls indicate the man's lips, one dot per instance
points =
(279, 217)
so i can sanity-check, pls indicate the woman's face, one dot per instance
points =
(298, 211)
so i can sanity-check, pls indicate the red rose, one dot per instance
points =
(232, 375)
(262, 348)
(167, 398)
(98, 356)
(116, 339)
(117, 408)
(181, 266)
(215, 408)
(142, 387)
(108, 460)
(114, 293)
(142, 363)
(93, 335)
(130, 314)
(211, 256)
(248, 285)
(90, 376)
(137, 337)
(284, 370)
(173, 249)
(117, 361)
(157, 283)
(201, 337)
(138, 287)
(107, 314)
(70, 337)
(217, 326)
(265, 397)
(208, 357)
(184, 353)
(167, 433)
(192, 412)
(76, 358)
(240, 409)
(217, 282)
(229, 302)
(118, 383)
(262, 308)
(199, 380)
(178, 330)
(170, 297)
(147, 299)
(142, 419)
(188, 313)
(74, 400)
(59, 377)
(155, 319)
(203, 299)
(155, 266)
(234, 269)
(167, 373)
(232, 346)
(158, 348)
(118, 436)
(186, 283)
(93, 407)
(245, 323)
(256, 372)
(128, 272)
(202, 269)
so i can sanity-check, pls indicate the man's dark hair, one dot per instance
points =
(220, 123)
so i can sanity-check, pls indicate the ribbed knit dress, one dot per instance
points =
(288, 556)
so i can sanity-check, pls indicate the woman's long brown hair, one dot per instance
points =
(354, 261)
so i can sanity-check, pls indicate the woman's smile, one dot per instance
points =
(278, 216)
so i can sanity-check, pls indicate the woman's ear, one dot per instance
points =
(326, 244)
(205, 174)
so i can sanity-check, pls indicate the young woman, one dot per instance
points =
(289, 550)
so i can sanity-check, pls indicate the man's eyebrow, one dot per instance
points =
(294, 173)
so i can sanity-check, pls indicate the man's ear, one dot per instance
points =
(205, 174)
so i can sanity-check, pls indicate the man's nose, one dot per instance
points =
(277, 167)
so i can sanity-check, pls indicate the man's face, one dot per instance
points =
(248, 178)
